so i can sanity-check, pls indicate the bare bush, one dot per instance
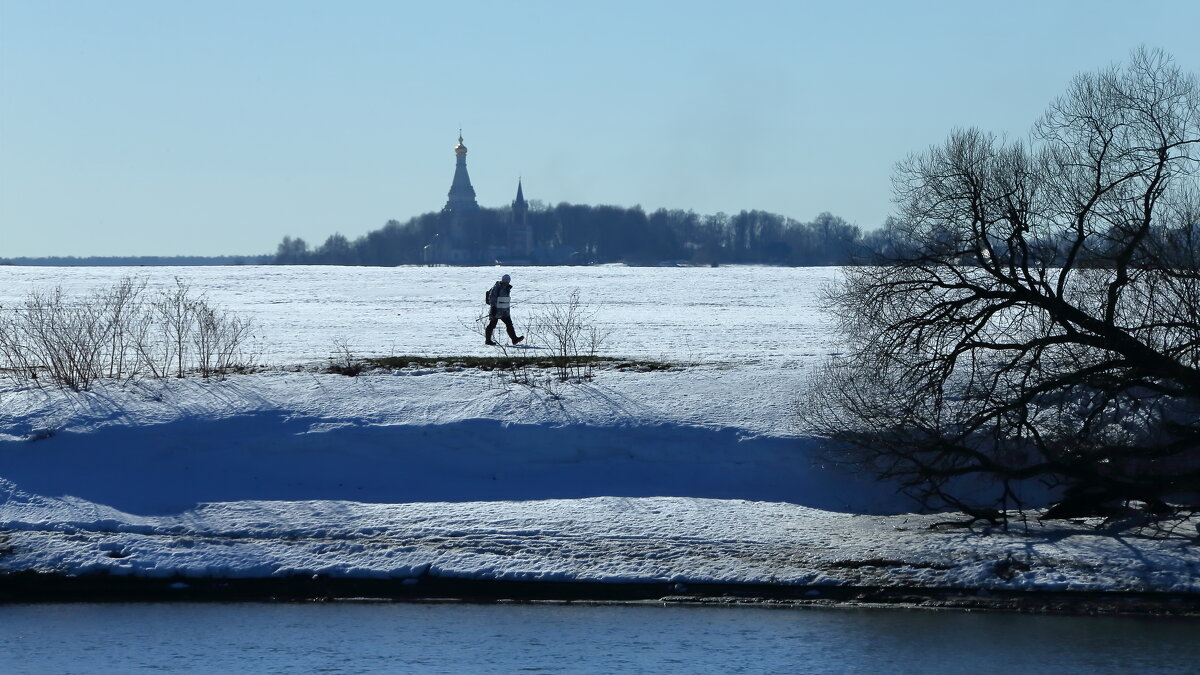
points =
(342, 360)
(122, 306)
(568, 330)
(218, 339)
(119, 334)
(174, 310)
(49, 333)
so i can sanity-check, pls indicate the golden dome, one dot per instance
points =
(460, 149)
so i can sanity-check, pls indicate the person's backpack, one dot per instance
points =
(487, 297)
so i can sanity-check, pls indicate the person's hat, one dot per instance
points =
(506, 278)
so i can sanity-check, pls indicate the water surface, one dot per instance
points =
(453, 638)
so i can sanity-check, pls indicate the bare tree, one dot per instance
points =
(1039, 323)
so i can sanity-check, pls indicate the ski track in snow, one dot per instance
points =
(695, 474)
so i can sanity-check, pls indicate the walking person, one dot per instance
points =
(498, 299)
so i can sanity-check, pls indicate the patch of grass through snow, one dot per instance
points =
(508, 362)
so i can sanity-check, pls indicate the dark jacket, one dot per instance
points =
(500, 299)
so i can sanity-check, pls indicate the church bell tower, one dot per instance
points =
(459, 214)
(462, 195)
(520, 235)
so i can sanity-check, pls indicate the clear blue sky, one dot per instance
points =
(215, 127)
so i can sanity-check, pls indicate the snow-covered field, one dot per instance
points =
(693, 474)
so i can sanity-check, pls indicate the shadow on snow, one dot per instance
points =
(171, 467)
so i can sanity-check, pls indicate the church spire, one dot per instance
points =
(462, 196)
(520, 234)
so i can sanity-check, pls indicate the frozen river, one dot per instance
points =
(741, 314)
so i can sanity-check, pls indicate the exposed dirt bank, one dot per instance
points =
(32, 587)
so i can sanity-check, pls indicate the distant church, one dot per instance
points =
(463, 237)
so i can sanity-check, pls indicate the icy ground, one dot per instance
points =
(693, 474)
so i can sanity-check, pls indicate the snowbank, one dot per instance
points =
(448, 475)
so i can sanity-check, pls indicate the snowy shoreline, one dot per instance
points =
(694, 475)
(311, 486)
(301, 485)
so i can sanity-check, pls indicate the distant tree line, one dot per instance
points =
(578, 233)
(130, 261)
